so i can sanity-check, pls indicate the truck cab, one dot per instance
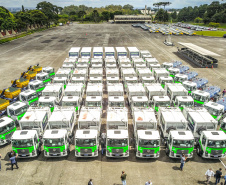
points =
(26, 143)
(154, 89)
(148, 79)
(116, 101)
(151, 61)
(163, 80)
(173, 72)
(94, 90)
(60, 81)
(72, 101)
(189, 86)
(133, 52)
(56, 143)
(17, 110)
(112, 72)
(37, 85)
(143, 73)
(95, 72)
(171, 118)
(154, 66)
(174, 89)
(29, 96)
(199, 119)
(160, 101)
(180, 78)
(223, 125)
(167, 65)
(180, 142)
(184, 101)
(74, 90)
(200, 97)
(47, 101)
(77, 80)
(62, 72)
(94, 101)
(160, 72)
(74, 52)
(54, 90)
(35, 119)
(139, 102)
(80, 73)
(109, 60)
(69, 66)
(87, 134)
(135, 90)
(212, 144)
(115, 89)
(117, 142)
(216, 110)
(50, 71)
(109, 52)
(44, 77)
(71, 60)
(7, 128)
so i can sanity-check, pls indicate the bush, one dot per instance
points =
(198, 20)
(214, 24)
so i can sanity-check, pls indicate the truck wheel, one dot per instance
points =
(198, 151)
(167, 151)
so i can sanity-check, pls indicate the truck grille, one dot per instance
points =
(117, 152)
(216, 152)
(54, 151)
(86, 151)
(148, 152)
(182, 152)
(23, 152)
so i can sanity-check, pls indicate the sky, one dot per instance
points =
(99, 3)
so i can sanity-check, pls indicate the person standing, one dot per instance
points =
(223, 93)
(13, 161)
(182, 161)
(102, 146)
(90, 182)
(123, 178)
(104, 135)
(225, 180)
(218, 175)
(209, 173)
(148, 182)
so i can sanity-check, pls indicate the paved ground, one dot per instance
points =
(50, 48)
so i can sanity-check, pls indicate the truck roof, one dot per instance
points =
(154, 87)
(155, 65)
(117, 134)
(72, 60)
(214, 105)
(148, 134)
(145, 52)
(96, 60)
(160, 71)
(117, 115)
(35, 82)
(93, 78)
(109, 49)
(136, 88)
(63, 114)
(168, 63)
(5, 120)
(133, 49)
(190, 83)
(111, 71)
(16, 105)
(94, 87)
(115, 98)
(124, 60)
(24, 134)
(77, 78)
(184, 98)
(176, 87)
(144, 70)
(151, 60)
(93, 98)
(202, 93)
(27, 92)
(47, 68)
(86, 49)
(86, 134)
(215, 135)
(174, 69)
(145, 115)
(96, 71)
(59, 78)
(135, 60)
(70, 98)
(89, 114)
(200, 115)
(161, 98)
(181, 75)
(86, 60)
(120, 49)
(80, 71)
(115, 88)
(181, 135)
(42, 74)
(97, 49)
(34, 116)
(55, 133)
(109, 59)
(165, 78)
(112, 78)
(139, 99)
(46, 98)
(148, 77)
(74, 49)
(172, 114)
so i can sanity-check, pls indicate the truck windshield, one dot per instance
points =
(21, 110)
(162, 104)
(140, 104)
(73, 54)
(146, 143)
(93, 104)
(46, 104)
(38, 86)
(189, 88)
(59, 81)
(48, 71)
(85, 142)
(116, 104)
(183, 143)
(66, 103)
(166, 81)
(7, 128)
(53, 142)
(199, 97)
(117, 142)
(213, 111)
(216, 144)
(43, 77)
(186, 104)
(22, 143)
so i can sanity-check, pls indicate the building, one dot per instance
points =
(132, 18)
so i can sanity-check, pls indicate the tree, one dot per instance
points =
(95, 15)
(198, 20)
(81, 14)
(166, 16)
(174, 15)
(106, 15)
(23, 8)
(160, 15)
(128, 6)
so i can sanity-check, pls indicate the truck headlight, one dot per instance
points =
(33, 152)
(45, 152)
(64, 151)
(157, 153)
(127, 151)
(108, 152)
(95, 152)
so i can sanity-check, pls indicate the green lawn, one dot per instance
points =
(211, 33)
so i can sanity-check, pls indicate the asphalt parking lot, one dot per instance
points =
(51, 48)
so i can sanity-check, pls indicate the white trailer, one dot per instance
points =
(115, 89)
(121, 52)
(70, 61)
(173, 71)
(135, 90)
(74, 90)
(94, 89)
(95, 72)
(161, 72)
(144, 72)
(112, 72)
(86, 52)
(74, 52)
(110, 61)
(154, 66)
(109, 52)
(190, 86)
(80, 73)
(171, 118)
(55, 90)
(98, 52)
(133, 52)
